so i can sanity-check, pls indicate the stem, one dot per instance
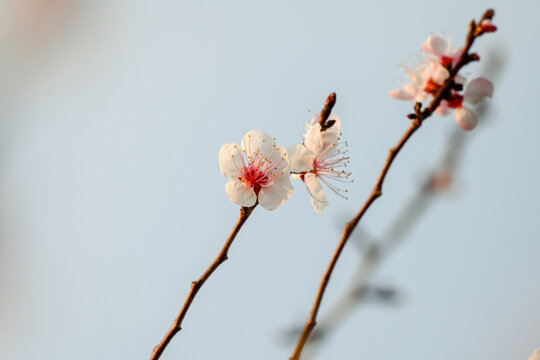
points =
(417, 118)
(245, 212)
(375, 193)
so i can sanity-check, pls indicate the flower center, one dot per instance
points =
(259, 170)
(256, 178)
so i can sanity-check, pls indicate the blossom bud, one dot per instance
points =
(477, 90)
(466, 119)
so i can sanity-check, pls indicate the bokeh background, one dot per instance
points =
(112, 114)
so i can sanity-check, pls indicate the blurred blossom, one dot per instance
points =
(428, 77)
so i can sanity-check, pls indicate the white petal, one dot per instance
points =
(279, 158)
(315, 119)
(328, 140)
(313, 139)
(240, 193)
(466, 119)
(319, 205)
(230, 161)
(273, 196)
(318, 199)
(256, 141)
(435, 45)
(301, 158)
(477, 90)
(535, 355)
(401, 94)
(439, 73)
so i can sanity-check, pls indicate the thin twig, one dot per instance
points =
(417, 118)
(245, 212)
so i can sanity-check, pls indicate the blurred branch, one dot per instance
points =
(373, 252)
(417, 118)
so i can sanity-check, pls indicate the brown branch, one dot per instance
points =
(417, 118)
(196, 285)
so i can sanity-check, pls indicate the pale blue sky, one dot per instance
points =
(112, 199)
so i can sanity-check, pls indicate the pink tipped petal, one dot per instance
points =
(478, 90)
(301, 159)
(435, 45)
(272, 197)
(240, 193)
(466, 119)
(400, 94)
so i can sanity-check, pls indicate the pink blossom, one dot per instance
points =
(428, 77)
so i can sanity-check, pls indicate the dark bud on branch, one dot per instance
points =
(328, 124)
(457, 87)
(325, 112)
(488, 15)
(474, 57)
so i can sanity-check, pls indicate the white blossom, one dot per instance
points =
(258, 170)
(320, 158)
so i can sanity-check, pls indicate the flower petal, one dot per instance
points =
(279, 159)
(435, 45)
(466, 119)
(301, 159)
(315, 119)
(318, 199)
(230, 161)
(477, 90)
(401, 94)
(273, 196)
(439, 73)
(313, 140)
(240, 193)
(255, 142)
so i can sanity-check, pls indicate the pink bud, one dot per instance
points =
(466, 119)
(477, 90)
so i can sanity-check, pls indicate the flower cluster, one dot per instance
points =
(258, 170)
(429, 76)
